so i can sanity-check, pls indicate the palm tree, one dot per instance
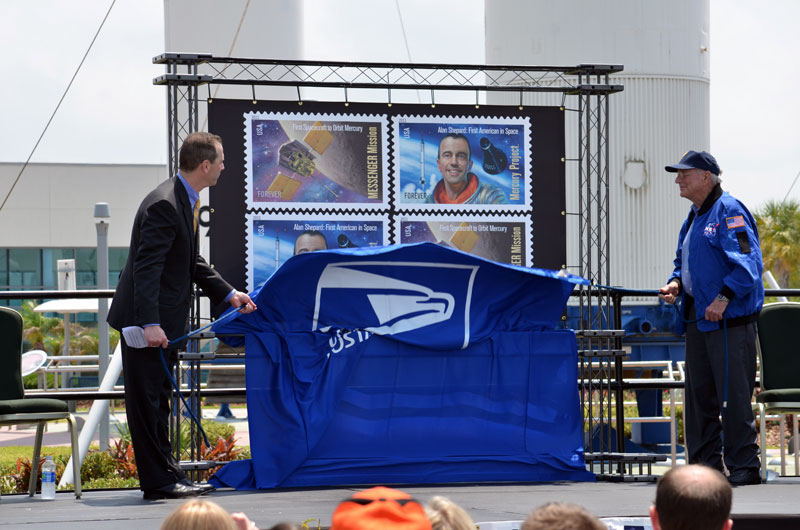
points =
(41, 331)
(47, 333)
(779, 229)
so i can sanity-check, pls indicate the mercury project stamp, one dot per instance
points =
(446, 163)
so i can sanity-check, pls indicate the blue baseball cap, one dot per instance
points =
(696, 160)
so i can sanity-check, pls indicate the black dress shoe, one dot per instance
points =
(177, 490)
(745, 477)
(204, 488)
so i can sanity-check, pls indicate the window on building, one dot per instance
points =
(116, 262)
(86, 266)
(50, 257)
(24, 269)
(33, 269)
(3, 266)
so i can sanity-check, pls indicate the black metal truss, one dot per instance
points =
(598, 364)
(589, 83)
(599, 331)
(203, 69)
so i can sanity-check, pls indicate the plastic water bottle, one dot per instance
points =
(49, 479)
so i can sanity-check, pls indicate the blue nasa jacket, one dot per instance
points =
(724, 258)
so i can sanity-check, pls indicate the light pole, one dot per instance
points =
(102, 215)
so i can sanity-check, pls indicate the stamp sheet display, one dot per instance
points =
(317, 180)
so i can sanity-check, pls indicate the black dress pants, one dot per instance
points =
(708, 440)
(147, 403)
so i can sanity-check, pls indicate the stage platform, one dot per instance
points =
(769, 506)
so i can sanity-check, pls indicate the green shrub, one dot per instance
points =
(17, 477)
(116, 467)
(96, 465)
(217, 431)
(32, 380)
(9, 479)
(124, 432)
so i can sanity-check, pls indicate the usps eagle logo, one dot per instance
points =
(389, 298)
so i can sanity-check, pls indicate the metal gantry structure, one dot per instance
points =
(585, 88)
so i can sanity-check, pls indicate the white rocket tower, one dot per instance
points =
(663, 111)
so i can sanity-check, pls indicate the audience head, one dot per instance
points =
(199, 515)
(562, 516)
(378, 509)
(444, 514)
(692, 497)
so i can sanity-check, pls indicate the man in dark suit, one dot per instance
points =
(155, 292)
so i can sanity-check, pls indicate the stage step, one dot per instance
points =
(199, 465)
(606, 477)
(602, 353)
(625, 457)
(596, 333)
(636, 467)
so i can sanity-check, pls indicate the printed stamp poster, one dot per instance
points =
(500, 239)
(305, 160)
(272, 239)
(447, 163)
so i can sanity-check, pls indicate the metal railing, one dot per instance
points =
(612, 383)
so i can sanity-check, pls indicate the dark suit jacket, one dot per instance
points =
(155, 286)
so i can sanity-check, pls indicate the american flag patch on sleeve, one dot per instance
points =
(735, 222)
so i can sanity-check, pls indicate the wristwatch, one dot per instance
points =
(722, 298)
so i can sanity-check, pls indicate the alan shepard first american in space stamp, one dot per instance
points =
(461, 163)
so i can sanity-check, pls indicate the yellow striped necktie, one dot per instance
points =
(196, 213)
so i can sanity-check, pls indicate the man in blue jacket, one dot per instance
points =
(717, 276)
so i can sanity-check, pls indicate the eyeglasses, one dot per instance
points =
(364, 502)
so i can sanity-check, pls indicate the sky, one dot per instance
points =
(113, 113)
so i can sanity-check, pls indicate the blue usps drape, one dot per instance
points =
(404, 364)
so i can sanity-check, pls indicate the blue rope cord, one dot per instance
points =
(175, 383)
(725, 381)
(183, 399)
